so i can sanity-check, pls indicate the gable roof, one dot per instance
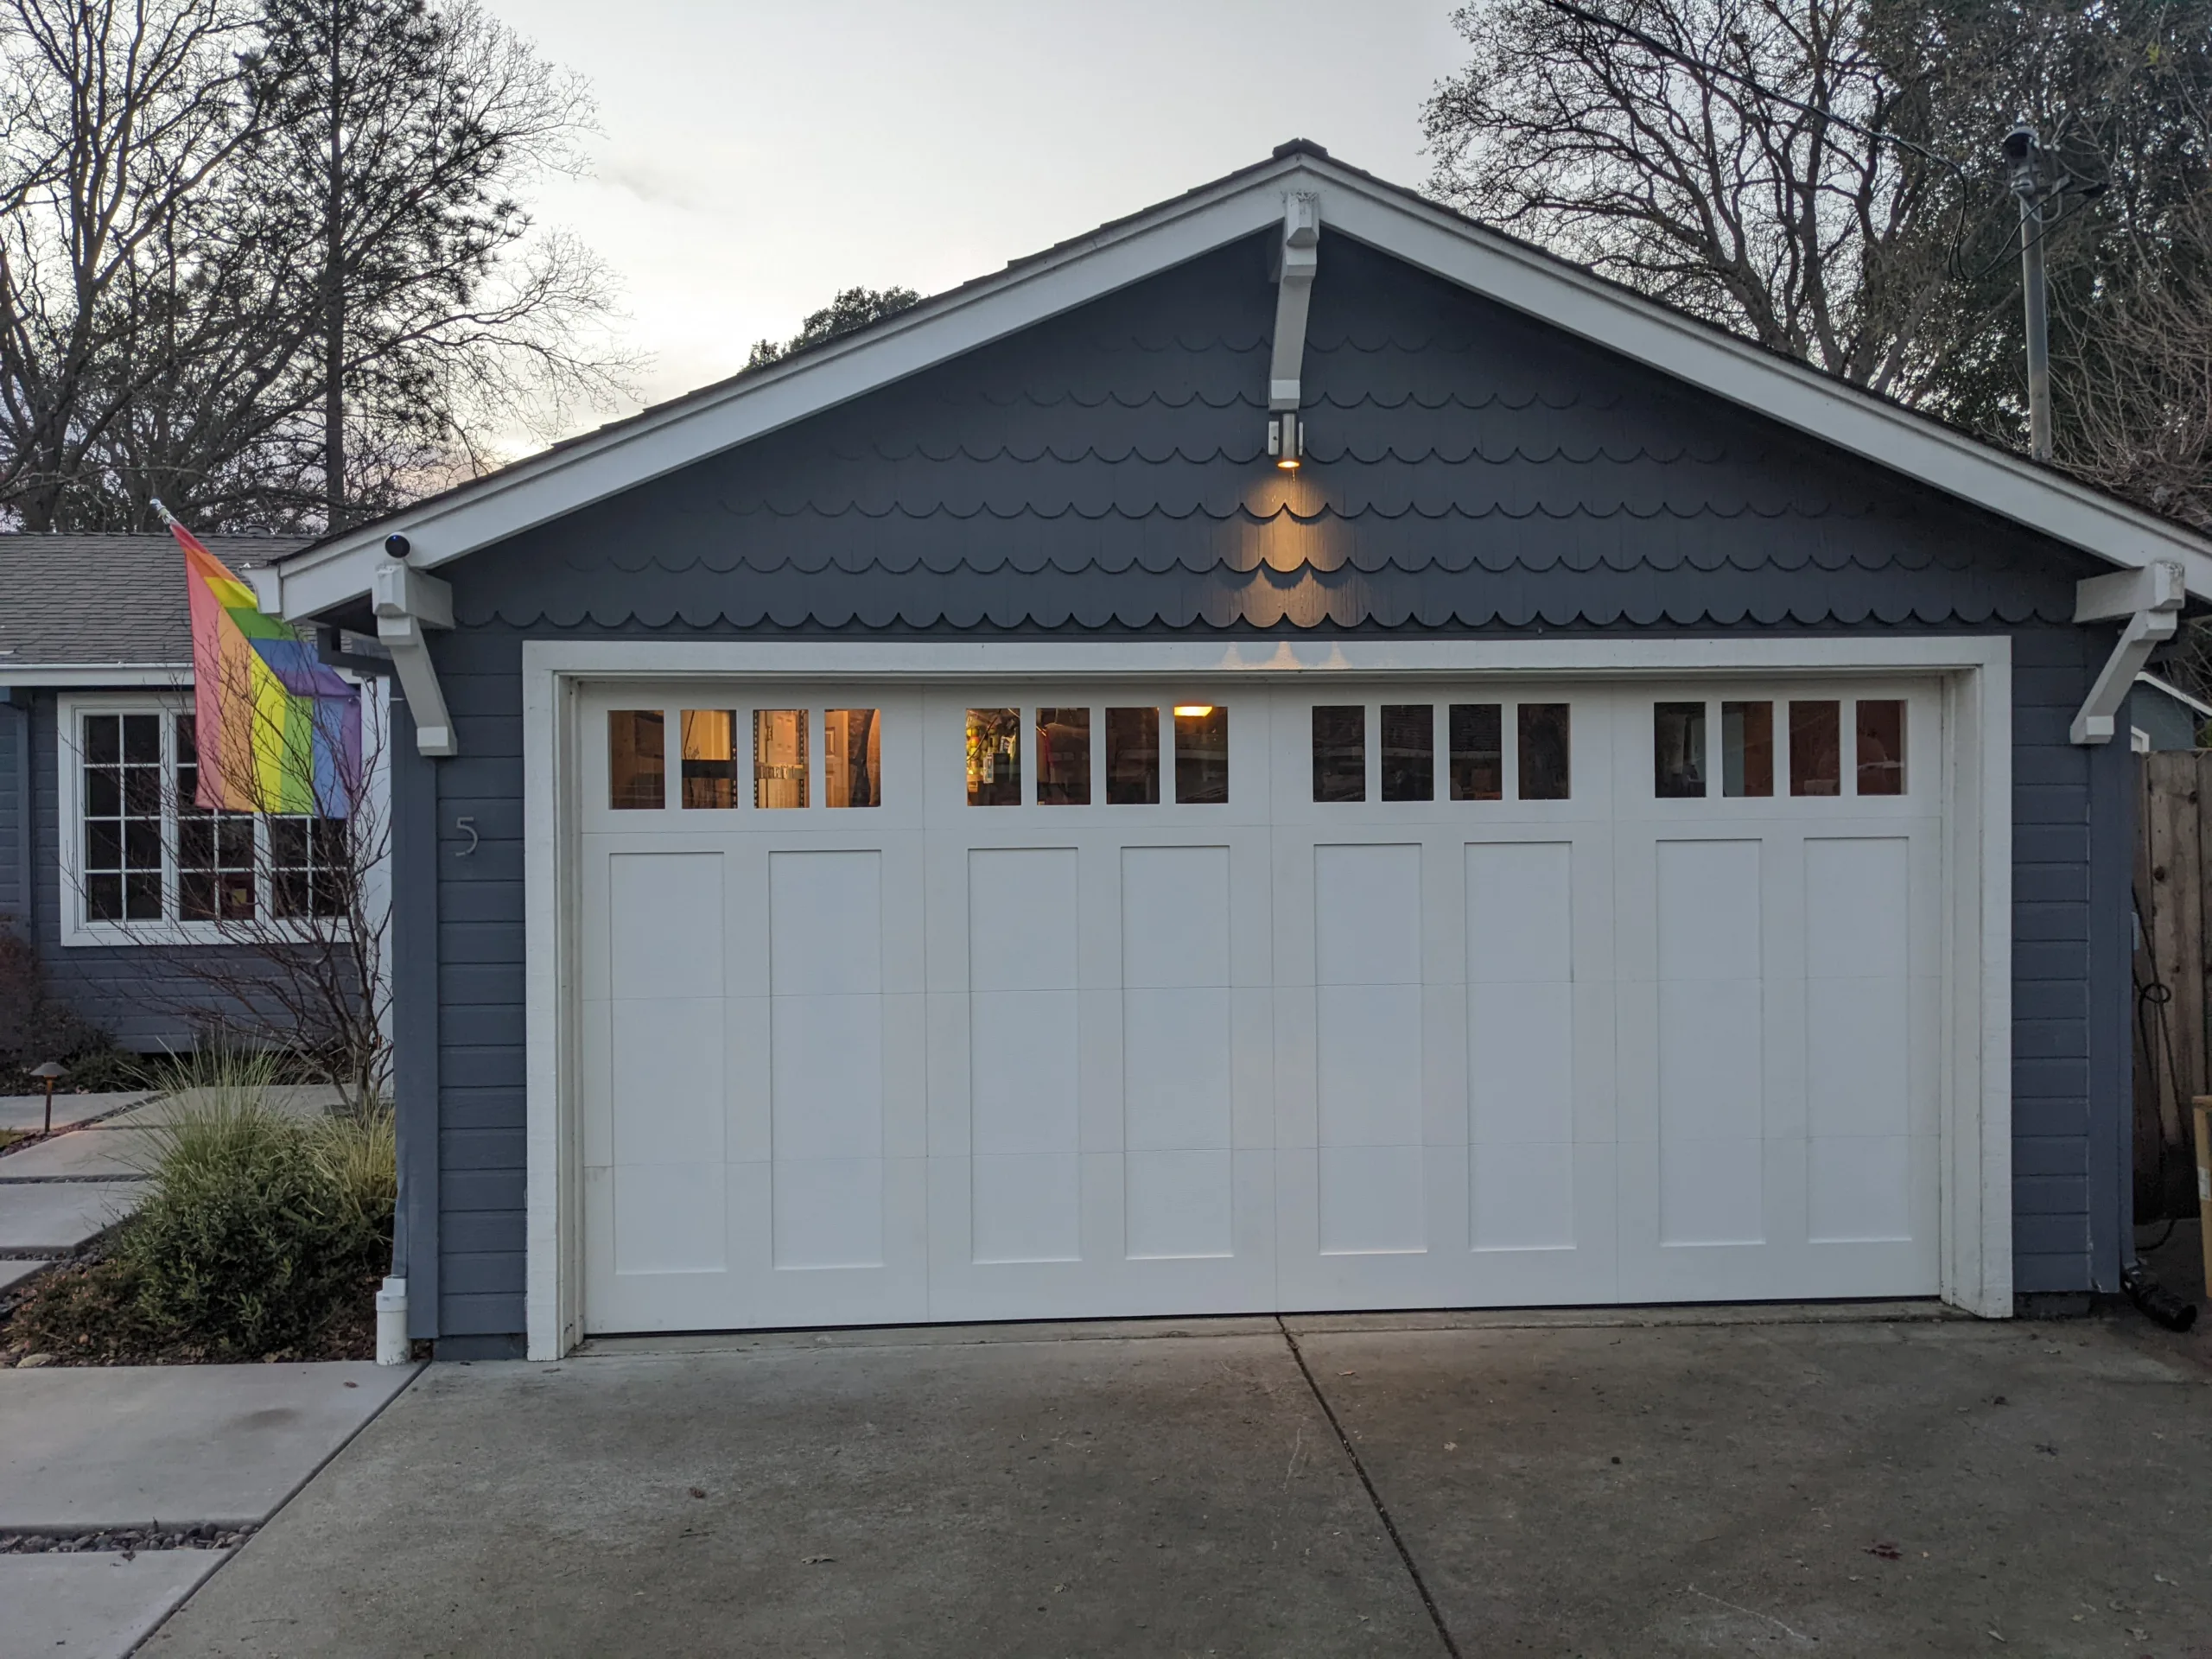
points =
(87, 602)
(1399, 222)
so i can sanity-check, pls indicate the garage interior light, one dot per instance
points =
(1193, 711)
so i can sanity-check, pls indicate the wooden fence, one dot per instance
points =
(2173, 884)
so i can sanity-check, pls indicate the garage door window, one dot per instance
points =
(1747, 748)
(1064, 757)
(1132, 757)
(636, 759)
(1201, 755)
(1881, 746)
(708, 739)
(994, 757)
(1478, 753)
(1815, 748)
(1409, 751)
(1340, 753)
(852, 757)
(1678, 751)
(779, 758)
(1544, 757)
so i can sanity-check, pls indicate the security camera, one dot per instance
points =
(398, 546)
(2019, 144)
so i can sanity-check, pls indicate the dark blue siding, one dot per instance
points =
(14, 815)
(1473, 471)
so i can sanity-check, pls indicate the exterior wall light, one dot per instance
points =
(1286, 441)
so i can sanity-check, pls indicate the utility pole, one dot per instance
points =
(2022, 152)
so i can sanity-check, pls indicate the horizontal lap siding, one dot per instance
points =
(1473, 473)
(482, 962)
(14, 829)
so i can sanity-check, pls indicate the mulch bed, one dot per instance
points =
(80, 1324)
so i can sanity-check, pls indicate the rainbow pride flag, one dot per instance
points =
(277, 729)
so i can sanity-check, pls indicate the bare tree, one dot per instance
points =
(1821, 175)
(115, 117)
(273, 264)
(404, 133)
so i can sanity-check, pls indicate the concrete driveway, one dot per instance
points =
(1767, 1484)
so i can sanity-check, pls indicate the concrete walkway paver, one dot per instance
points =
(291, 1099)
(80, 1154)
(59, 1216)
(130, 1444)
(28, 1111)
(93, 1605)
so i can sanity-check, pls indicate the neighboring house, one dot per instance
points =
(2161, 716)
(95, 674)
(950, 827)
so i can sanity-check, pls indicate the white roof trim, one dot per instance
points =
(2175, 692)
(95, 675)
(1434, 240)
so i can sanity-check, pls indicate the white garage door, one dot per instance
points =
(1057, 1000)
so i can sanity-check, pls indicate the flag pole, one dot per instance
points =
(167, 516)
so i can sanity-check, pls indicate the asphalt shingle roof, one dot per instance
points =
(107, 598)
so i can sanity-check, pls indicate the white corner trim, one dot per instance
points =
(2168, 689)
(1977, 1106)
(552, 1290)
(598, 465)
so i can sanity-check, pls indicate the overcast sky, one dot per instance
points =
(759, 157)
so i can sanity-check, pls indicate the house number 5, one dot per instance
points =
(467, 827)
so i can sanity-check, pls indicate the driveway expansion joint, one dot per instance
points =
(1375, 1497)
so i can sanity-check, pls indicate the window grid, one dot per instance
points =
(151, 856)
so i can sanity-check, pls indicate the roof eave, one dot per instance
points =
(1395, 220)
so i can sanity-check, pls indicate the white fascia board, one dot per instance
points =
(562, 480)
(1430, 237)
(95, 676)
(1651, 333)
(2174, 692)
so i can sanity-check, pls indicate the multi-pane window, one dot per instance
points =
(1812, 733)
(150, 856)
(123, 818)
(1475, 753)
(711, 758)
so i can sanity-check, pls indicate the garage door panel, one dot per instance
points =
(1178, 1067)
(1034, 1061)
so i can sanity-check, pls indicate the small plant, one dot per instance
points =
(259, 1229)
(259, 1225)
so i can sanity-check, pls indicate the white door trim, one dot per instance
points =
(1977, 1173)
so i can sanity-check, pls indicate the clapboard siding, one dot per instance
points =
(14, 828)
(1474, 474)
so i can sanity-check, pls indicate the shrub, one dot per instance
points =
(259, 1228)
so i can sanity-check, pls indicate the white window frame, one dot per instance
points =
(79, 929)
